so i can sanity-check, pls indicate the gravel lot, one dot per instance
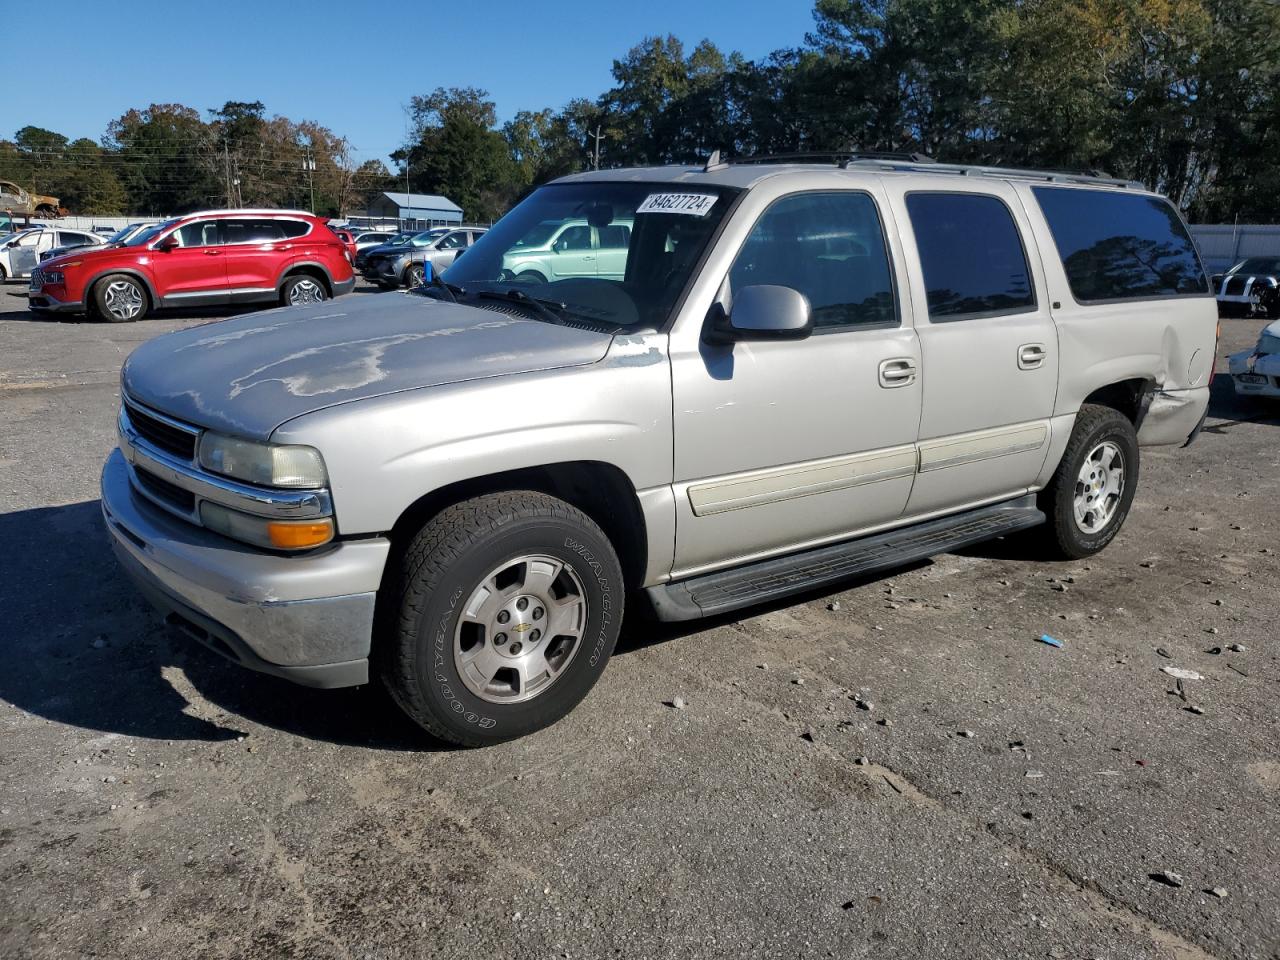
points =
(895, 769)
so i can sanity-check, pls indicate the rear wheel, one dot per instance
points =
(120, 298)
(302, 289)
(1089, 496)
(509, 607)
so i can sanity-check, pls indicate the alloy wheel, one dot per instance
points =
(520, 629)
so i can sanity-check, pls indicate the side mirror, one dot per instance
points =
(168, 243)
(558, 246)
(763, 312)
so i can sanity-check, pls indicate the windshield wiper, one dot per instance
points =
(541, 307)
(438, 282)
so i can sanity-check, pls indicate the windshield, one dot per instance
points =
(149, 234)
(123, 233)
(427, 237)
(1258, 265)
(612, 253)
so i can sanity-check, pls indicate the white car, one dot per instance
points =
(1256, 372)
(20, 253)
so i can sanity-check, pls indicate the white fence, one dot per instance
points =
(1224, 244)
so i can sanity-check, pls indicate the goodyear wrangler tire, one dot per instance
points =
(1092, 490)
(509, 606)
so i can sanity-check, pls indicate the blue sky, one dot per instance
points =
(352, 66)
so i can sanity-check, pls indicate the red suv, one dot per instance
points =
(215, 258)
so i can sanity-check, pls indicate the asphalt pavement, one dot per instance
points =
(897, 768)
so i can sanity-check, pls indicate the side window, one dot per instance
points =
(252, 231)
(972, 255)
(202, 233)
(294, 228)
(453, 241)
(831, 248)
(1117, 246)
(615, 237)
(574, 239)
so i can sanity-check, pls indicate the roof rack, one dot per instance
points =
(1095, 177)
(836, 157)
(238, 211)
(923, 163)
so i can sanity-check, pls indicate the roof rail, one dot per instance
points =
(239, 211)
(1005, 173)
(837, 157)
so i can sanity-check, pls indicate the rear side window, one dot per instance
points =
(615, 237)
(1121, 247)
(294, 228)
(830, 247)
(972, 255)
(251, 231)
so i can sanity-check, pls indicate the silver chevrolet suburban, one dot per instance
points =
(802, 373)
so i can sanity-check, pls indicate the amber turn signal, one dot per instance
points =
(297, 536)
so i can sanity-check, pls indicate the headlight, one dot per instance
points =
(51, 276)
(265, 464)
(262, 532)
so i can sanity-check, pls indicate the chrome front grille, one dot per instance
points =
(162, 457)
(171, 436)
(182, 500)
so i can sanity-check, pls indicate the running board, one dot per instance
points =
(772, 579)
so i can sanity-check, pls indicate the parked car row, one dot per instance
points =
(21, 251)
(402, 263)
(213, 258)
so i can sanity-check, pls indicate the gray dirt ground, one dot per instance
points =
(157, 802)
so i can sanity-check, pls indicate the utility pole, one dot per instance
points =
(595, 158)
(406, 186)
(309, 165)
(226, 159)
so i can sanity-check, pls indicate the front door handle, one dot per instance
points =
(210, 252)
(1031, 356)
(898, 372)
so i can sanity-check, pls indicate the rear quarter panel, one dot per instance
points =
(1170, 342)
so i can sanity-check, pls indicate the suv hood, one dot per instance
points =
(248, 375)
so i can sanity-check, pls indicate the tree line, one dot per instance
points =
(1183, 95)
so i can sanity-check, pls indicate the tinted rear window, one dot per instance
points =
(1121, 247)
(971, 252)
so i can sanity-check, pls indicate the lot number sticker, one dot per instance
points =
(690, 204)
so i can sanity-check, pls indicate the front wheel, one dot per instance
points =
(1089, 496)
(413, 275)
(120, 298)
(509, 606)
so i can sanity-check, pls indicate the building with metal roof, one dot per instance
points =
(415, 210)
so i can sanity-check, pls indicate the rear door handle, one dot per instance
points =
(898, 372)
(210, 252)
(1031, 355)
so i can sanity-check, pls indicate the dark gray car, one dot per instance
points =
(403, 266)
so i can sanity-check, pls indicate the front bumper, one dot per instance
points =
(48, 303)
(1253, 375)
(1173, 416)
(307, 618)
